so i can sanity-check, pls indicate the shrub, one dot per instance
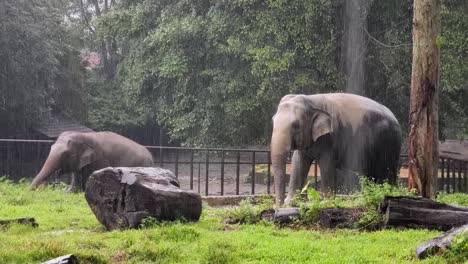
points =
(249, 210)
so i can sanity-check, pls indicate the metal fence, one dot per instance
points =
(210, 171)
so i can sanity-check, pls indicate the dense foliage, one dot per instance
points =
(211, 72)
(38, 68)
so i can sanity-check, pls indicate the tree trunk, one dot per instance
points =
(423, 135)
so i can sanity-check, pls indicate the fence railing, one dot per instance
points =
(210, 171)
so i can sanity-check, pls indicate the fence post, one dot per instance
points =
(465, 171)
(454, 175)
(199, 178)
(161, 164)
(443, 173)
(222, 172)
(269, 173)
(253, 173)
(459, 176)
(207, 171)
(448, 176)
(315, 175)
(191, 169)
(237, 172)
(177, 163)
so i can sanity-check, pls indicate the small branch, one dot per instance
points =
(83, 11)
(383, 44)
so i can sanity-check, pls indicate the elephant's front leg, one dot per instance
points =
(327, 165)
(300, 167)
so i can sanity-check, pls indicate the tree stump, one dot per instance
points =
(121, 197)
(416, 212)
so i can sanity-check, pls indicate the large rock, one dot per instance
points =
(121, 197)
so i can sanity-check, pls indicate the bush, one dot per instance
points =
(249, 210)
(373, 193)
(458, 251)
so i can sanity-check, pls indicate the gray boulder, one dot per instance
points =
(122, 197)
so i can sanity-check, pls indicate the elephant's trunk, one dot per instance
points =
(51, 165)
(279, 149)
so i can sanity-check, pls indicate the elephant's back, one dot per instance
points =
(354, 109)
(123, 151)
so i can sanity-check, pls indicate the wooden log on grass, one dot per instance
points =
(67, 259)
(438, 243)
(417, 212)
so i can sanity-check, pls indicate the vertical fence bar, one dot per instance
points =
(199, 178)
(161, 163)
(454, 175)
(269, 173)
(191, 169)
(177, 163)
(442, 173)
(316, 175)
(460, 176)
(222, 172)
(253, 172)
(448, 177)
(237, 172)
(8, 165)
(465, 170)
(207, 167)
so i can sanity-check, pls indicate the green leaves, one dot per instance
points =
(39, 66)
(213, 73)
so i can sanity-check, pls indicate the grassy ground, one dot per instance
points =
(67, 225)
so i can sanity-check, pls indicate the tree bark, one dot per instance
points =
(423, 135)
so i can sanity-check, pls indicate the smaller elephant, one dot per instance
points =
(83, 153)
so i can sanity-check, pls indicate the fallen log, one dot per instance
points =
(438, 243)
(339, 217)
(286, 215)
(281, 215)
(121, 198)
(417, 212)
(27, 220)
(67, 259)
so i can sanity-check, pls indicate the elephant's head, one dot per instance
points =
(71, 152)
(298, 123)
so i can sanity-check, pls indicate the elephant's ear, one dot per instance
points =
(87, 157)
(321, 125)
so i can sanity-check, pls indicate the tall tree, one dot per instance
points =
(423, 135)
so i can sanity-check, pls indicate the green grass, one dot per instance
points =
(67, 225)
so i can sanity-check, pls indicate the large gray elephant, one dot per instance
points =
(343, 132)
(83, 153)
